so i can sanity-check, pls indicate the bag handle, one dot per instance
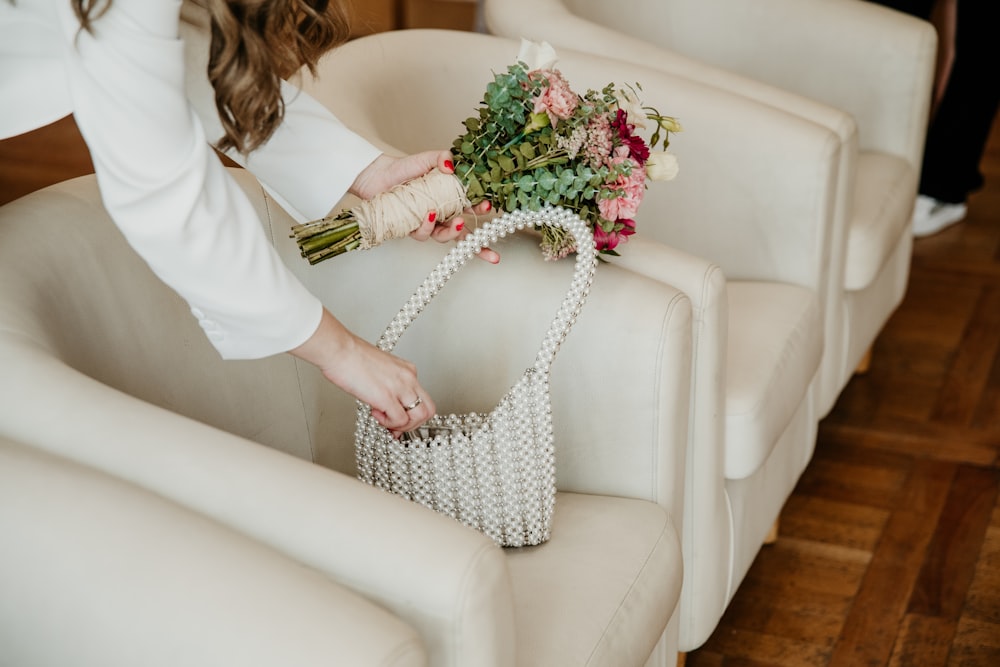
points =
(488, 234)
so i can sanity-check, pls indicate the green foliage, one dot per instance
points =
(508, 154)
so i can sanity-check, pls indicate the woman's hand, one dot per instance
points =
(386, 172)
(382, 380)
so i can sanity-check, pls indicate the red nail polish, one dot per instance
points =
(488, 205)
(459, 227)
(449, 165)
(432, 216)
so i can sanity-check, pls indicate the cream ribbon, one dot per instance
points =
(401, 210)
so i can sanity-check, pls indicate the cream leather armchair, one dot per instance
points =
(99, 571)
(161, 502)
(857, 68)
(754, 193)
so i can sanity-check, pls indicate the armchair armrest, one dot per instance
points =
(351, 532)
(94, 568)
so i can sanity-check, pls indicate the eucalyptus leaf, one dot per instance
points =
(547, 181)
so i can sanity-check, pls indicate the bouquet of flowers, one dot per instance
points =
(534, 142)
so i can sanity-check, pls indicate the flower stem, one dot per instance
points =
(345, 245)
(327, 237)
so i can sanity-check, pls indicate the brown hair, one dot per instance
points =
(255, 44)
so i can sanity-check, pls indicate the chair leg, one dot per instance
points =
(772, 535)
(681, 659)
(865, 363)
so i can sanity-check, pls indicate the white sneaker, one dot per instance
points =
(930, 216)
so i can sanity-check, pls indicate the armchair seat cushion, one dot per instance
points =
(883, 195)
(766, 384)
(629, 556)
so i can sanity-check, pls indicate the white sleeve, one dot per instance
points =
(308, 163)
(166, 189)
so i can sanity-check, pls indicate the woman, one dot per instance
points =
(153, 87)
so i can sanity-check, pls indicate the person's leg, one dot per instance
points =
(957, 134)
(960, 127)
(919, 8)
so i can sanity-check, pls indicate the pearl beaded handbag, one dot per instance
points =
(492, 471)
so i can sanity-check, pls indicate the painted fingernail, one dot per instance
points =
(459, 226)
(488, 205)
(432, 216)
(449, 165)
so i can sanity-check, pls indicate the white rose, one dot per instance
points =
(661, 166)
(537, 56)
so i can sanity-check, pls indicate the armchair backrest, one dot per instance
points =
(887, 47)
(74, 293)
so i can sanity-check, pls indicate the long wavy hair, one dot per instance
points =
(256, 44)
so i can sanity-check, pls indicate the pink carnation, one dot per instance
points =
(637, 148)
(629, 191)
(556, 99)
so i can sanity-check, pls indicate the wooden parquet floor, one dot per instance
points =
(889, 548)
(889, 552)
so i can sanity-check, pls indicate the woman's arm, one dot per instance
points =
(166, 189)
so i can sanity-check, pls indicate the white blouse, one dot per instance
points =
(139, 92)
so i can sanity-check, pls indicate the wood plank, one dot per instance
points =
(847, 524)
(872, 624)
(762, 649)
(842, 471)
(952, 555)
(977, 644)
(978, 446)
(982, 603)
(969, 371)
(987, 416)
(923, 640)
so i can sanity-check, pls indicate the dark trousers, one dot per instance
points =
(959, 129)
